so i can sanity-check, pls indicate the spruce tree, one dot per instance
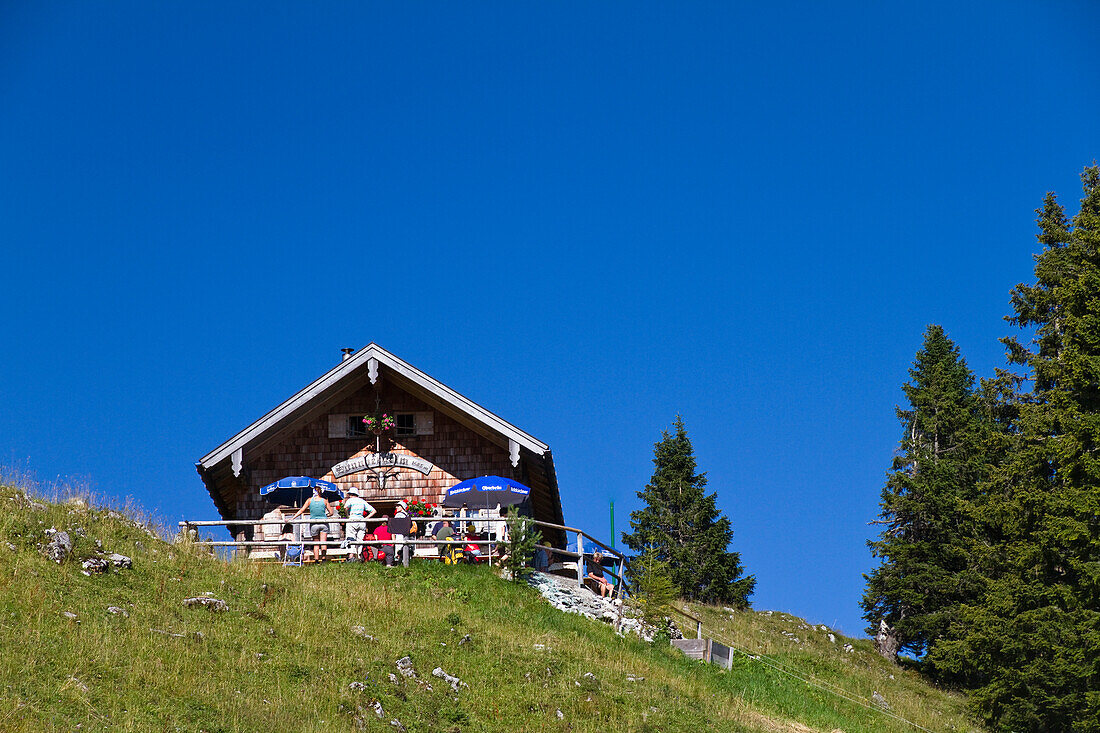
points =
(651, 585)
(1030, 646)
(683, 525)
(926, 505)
(523, 541)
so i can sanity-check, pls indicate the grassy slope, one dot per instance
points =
(282, 657)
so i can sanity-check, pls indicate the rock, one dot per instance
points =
(212, 604)
(70, 615)
(397, 724)
(118, 611)
(357, 686)
(377, 708)
(168, 633)
(12, 547)
(361, 632)
(453, 681)
(95, 565)
(38, 506)
(849, 648)
(77, 502)
(564, 595)
(832, 638)
(879, 700)
(119, 561)
(561, 716)
(74, 682)
(59, 547)
(464, 640)
(405, 667)
(393, 678)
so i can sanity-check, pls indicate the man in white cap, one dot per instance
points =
(357, 508)
(399, 527)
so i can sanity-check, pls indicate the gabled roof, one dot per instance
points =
(367, 360)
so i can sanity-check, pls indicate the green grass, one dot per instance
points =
(282, 658)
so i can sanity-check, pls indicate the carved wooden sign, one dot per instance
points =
(381, 460)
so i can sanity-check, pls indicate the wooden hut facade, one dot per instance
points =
(440, 438)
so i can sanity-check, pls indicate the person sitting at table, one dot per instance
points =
(319, 512)
(444, 531)
(472, 551)
(595, 574)
(289, 549)
(385, 552)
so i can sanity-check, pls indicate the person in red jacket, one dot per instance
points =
(385, 551)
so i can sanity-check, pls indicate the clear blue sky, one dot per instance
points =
(588, 217)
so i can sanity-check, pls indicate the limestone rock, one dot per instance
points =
(119, 561)
(59, 547)
(453, 681)
(405, 667)
(212, 604)
(94, 566)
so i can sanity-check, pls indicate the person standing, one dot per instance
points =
(462, 514)
(359, 509)
(400, 527)
(319, 512)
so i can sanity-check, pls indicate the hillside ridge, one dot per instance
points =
(328, 648)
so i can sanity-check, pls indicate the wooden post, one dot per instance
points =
(580, 560)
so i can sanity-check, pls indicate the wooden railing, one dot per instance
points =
(578, 556)
(187, 525)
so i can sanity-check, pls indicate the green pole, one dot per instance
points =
(612, 525)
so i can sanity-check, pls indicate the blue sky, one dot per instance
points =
(587, 217)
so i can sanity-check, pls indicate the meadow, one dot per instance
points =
(315, 649)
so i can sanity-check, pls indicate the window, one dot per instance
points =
(356, 427)
(405, 425)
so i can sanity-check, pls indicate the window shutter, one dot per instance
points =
(425, 423)
(337, 426)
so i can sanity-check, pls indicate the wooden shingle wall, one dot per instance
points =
(457, 452)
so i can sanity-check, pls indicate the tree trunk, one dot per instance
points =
(887, 642)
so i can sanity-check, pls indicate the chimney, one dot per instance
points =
(347, 354)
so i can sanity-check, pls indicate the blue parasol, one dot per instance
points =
(485, 492)
(295, 490)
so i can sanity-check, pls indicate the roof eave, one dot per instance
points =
(343, 370)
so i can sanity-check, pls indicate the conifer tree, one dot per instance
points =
(652, 586)
(684, 527)
(1030, 646)
(523, 541)
(926, 505)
